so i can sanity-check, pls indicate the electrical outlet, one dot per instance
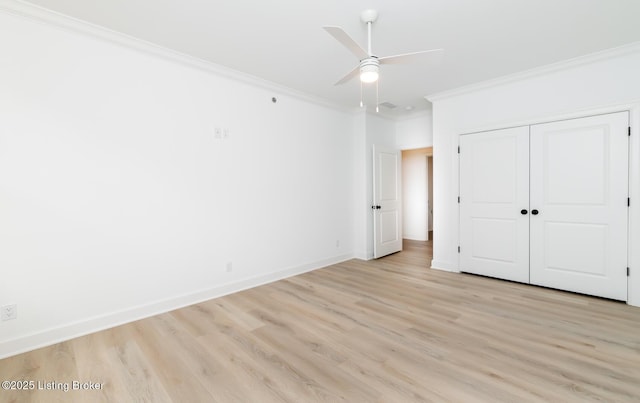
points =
(337, 243)
(9, 312)
(217, 133)
(229, 267)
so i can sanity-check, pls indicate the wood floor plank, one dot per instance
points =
(162, 350)
(102, 365)
(248, 354)
(387, 330)
(138, 374)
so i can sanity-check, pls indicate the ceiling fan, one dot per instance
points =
(369, 65)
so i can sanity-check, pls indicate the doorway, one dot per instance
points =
(417, 192)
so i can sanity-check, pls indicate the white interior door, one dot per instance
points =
(494, 204)
(579, 188)
(387, 203)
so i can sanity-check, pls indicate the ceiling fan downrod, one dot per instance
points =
(369, 17)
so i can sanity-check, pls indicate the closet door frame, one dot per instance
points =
(634, 176)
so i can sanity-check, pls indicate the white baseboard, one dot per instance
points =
(633, 301)
(363, 255)
(90, 325)
(445, 266)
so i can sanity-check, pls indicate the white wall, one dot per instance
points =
(414, 132)
(603, 82)
(118, 202)
(361, 206)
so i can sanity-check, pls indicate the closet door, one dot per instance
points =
(579, 187)
(494, 204)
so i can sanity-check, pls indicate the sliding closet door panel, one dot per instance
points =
(494, 189)
(579, 185)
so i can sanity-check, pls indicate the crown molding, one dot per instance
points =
(401, 115)
(45, 16)
(623, 50)
(421, 113)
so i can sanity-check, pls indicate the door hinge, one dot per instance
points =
(627, 272)
(628, 202)
(458, 199)
(629, 130)
(458, 249)
(458, 149)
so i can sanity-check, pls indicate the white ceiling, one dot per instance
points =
(282, 40)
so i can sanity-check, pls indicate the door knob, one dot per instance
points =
(523, 211)
(534, 212)
(376, 207)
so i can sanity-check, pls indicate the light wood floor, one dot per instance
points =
(388, 330)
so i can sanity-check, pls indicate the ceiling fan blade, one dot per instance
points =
(433, 54)
(349, 76)
(347, 41)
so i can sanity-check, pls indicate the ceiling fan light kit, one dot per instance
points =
(369, 66)
(369, 70)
